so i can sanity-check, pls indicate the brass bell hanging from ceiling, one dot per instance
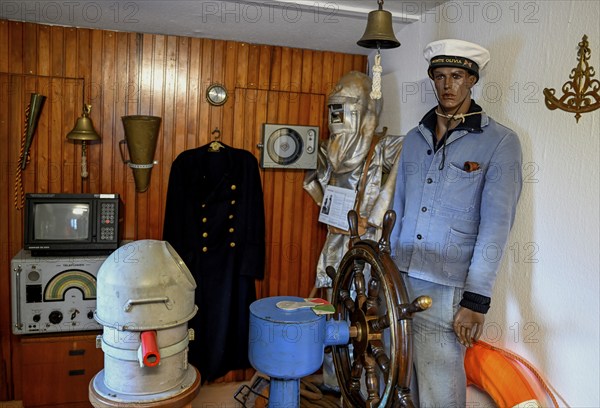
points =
(380, 31)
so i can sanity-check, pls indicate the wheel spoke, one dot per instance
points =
(357, 370)
(380, 324)
(347, 300)
(383, 361)
(372, 381)
(359, 282)
(373, 298)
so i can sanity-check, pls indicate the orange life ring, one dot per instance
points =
(500, 374)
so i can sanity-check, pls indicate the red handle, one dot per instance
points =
(150, 351)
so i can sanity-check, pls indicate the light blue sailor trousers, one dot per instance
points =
(438, 357)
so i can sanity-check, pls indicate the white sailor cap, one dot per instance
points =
(456, 53)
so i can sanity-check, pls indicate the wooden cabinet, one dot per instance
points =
(56, 370)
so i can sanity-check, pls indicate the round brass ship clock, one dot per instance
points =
(216, 94)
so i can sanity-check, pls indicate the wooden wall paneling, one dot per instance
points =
(164, 150)
(265, 66)
(272, 211)
(15, 49)
(290, 223)
(183, 82)
(57, 52)
(348, 64)
(149, 56)
(229, 69)
(253, 66)
(327, 79)
(297, 75)
(71, 97)
(150, 200)
(87, 91)
(280, 205)
(307, 72)
(216, 112)
(44, 51)
(133, 107)
(94, 96)
(206, 80)
(4, 45)
(50, 175)
(109, 120)
(68, 96)
(71, 52)
(241, 80)
(275, 79)
(195, 89)
(243, 111)
(285, 80)
(228, 79)
(317, 73)
(6, 190)
(30, 48)
(122, 93)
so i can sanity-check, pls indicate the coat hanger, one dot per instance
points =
(215, 145)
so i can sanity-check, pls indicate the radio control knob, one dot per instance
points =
(90, 314)
(55, 317)
(37, 318)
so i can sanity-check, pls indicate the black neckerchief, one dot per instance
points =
(471, 123)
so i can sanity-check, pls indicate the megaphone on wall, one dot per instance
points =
(141, 137)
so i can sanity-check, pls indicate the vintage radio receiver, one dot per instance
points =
(53, 294)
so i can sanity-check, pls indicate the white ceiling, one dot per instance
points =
(320, 25)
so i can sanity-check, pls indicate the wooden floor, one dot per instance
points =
(219, 395)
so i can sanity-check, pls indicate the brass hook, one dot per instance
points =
(218, 132)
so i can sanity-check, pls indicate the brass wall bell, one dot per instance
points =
(380, 31)
(84, 132)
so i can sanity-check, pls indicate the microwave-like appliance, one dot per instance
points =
(72, 224)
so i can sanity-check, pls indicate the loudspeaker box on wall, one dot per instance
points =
(289, 146)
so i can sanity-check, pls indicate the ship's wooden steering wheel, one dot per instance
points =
(374, 369)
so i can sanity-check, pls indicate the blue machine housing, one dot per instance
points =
(288, 345)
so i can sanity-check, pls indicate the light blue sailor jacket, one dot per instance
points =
(453, 225)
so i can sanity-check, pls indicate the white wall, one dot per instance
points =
(545, 305)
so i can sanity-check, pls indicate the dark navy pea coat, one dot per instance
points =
(215, 220)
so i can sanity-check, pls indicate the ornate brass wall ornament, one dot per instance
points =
(581, 93)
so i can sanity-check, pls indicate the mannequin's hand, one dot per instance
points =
(468, 326)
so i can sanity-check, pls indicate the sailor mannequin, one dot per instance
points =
(452, 212)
